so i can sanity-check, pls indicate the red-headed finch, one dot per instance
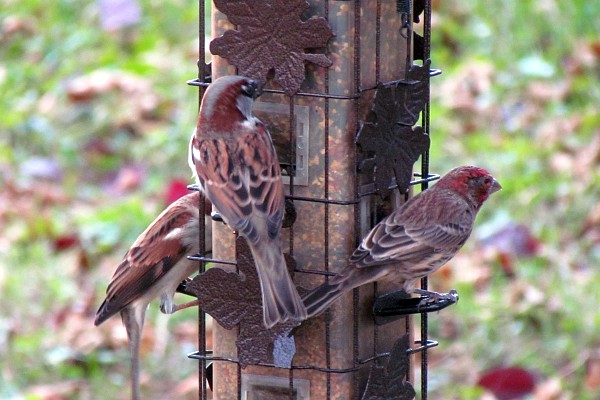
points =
(153, 267)
(234, 162)
(415, 240)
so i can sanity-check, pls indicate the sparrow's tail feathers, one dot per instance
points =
(103, 313)
(281, 301)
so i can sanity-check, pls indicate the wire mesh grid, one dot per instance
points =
(361, 200)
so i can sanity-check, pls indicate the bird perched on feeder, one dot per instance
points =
(234, 162)
(415, 240)
(153, 267)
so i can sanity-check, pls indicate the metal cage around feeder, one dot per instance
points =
(348, 130)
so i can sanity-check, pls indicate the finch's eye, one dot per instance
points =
(487, 181)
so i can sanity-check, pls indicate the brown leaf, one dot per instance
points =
(390, 383)
(234, 298)
(390, 149)
(271, 36)
(56, 391)
(584, 57)
(592, 374)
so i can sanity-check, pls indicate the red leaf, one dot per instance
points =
(65, 242)
(177, 188)
(508, 383)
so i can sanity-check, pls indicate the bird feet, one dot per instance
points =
(429, 297)
(389, 307)
(189, 304)
(170, 308)
(216, 217)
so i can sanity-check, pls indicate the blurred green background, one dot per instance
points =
(94, 121)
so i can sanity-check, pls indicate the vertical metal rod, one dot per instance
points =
(239, 381)
(375, 330)
(292, 152)
(357, 88)
(201, 315)
(377, 81)
(378, 42)
(291, 384)
(409, 320)
(424, 185)
(202, 378)
(326, 211)
(424, 354)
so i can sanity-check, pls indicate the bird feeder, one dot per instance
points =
(345, 97)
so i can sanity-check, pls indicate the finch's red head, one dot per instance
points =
(473, 183)
(227, 101)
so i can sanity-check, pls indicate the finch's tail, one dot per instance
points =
(279, 295)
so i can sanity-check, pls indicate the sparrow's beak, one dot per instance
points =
(495, 186)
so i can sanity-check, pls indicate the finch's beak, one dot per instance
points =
(495, 186)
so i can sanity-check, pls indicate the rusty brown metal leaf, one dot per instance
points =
(271, 36)
(234, 298)
(389, 383)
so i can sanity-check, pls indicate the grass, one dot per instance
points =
(527, 76)
(541, 319)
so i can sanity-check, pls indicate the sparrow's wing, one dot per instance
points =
(153, 254)
(242, 178)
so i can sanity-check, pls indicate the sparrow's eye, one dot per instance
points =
(249, 89)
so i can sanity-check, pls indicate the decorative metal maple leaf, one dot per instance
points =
(389, 144)
(413, 93)
(271, 36)
(389, 383)
(232, 299)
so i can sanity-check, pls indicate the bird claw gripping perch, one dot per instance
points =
(216, 217)
(392, 306)
(430, 297)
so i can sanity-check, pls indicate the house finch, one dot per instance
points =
(234, 162)
(415, 240)
(154, 266)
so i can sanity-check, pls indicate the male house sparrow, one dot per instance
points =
(415, 240)
(153, 267)
(235, 164)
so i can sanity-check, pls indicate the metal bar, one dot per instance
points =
(424, 185)
(291, 384)
(203, 259)
(326, 212)
(356, 96)
(202, 376)
(315, 272)
(325, 201)
(360, 363)
(357, 88)
(428, 345)
(378, 42)
(239, 380)
(429, 178)
(377, 81)
(195, 82)
(292, 153)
